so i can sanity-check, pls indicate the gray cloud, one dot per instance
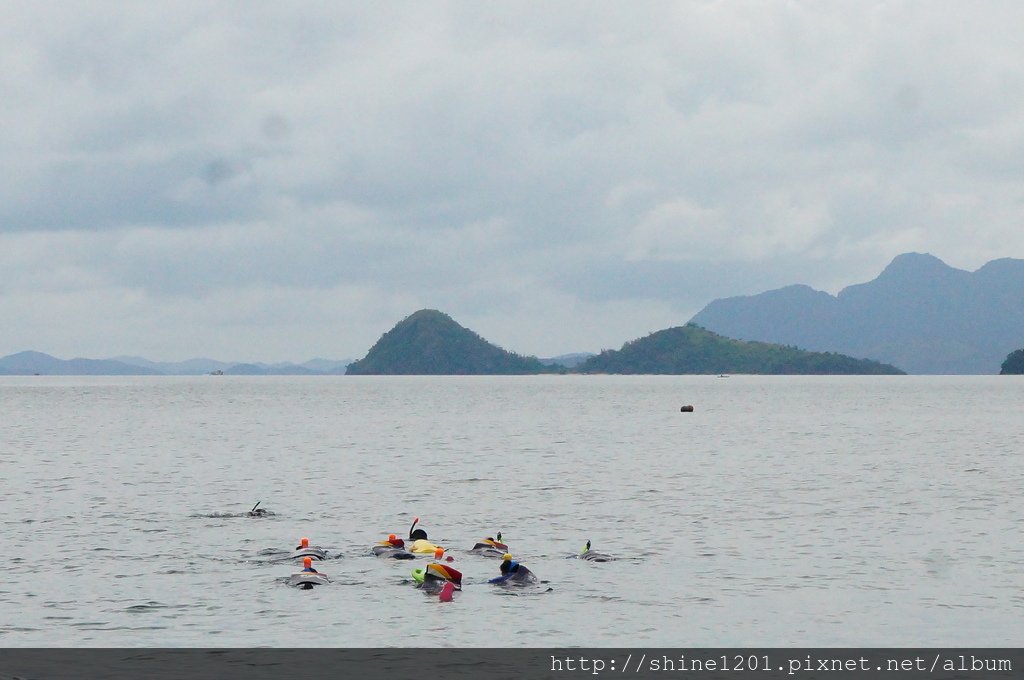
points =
(563, 176)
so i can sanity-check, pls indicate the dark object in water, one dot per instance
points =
(686, 409)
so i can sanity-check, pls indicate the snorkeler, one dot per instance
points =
(513, 572)
(420, 544)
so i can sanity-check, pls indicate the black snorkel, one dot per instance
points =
(418, 533)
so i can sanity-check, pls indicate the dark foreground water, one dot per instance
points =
(783, 511)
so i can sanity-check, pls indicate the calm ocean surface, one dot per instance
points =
(838, 511)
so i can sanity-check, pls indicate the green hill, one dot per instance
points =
(692, 349)
(1014, 364)
(431, 343)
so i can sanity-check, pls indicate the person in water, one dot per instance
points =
(303, 544)
(416, 534)
(491, 546)
(593, 555)
(257, 511)
(433, 577)
(392, 547)
(420, 544)
(307, 565)
(508, 565)
(513, 571)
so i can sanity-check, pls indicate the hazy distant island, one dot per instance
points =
(1014, 364)
(919, 314)
(38, 363)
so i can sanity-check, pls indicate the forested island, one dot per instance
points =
(430, 342)
(692, 349)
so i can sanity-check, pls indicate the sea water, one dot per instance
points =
(824, 511)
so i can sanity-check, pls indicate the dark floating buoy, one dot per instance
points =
(686, 409)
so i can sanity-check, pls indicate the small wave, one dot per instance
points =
(144, 608)
(153, 605)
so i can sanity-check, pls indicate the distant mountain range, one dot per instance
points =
(568, 360)
(919, 314)
(37, 363)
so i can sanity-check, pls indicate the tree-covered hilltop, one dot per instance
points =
(1014, 364)
(432, 343)
(692, 349)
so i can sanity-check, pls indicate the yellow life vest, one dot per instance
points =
(423, 546)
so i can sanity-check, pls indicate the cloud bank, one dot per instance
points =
(274, 183)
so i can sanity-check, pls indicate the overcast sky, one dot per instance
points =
(278, 181)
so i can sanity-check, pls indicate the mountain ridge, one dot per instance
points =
(31, 362)
(919, 314)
